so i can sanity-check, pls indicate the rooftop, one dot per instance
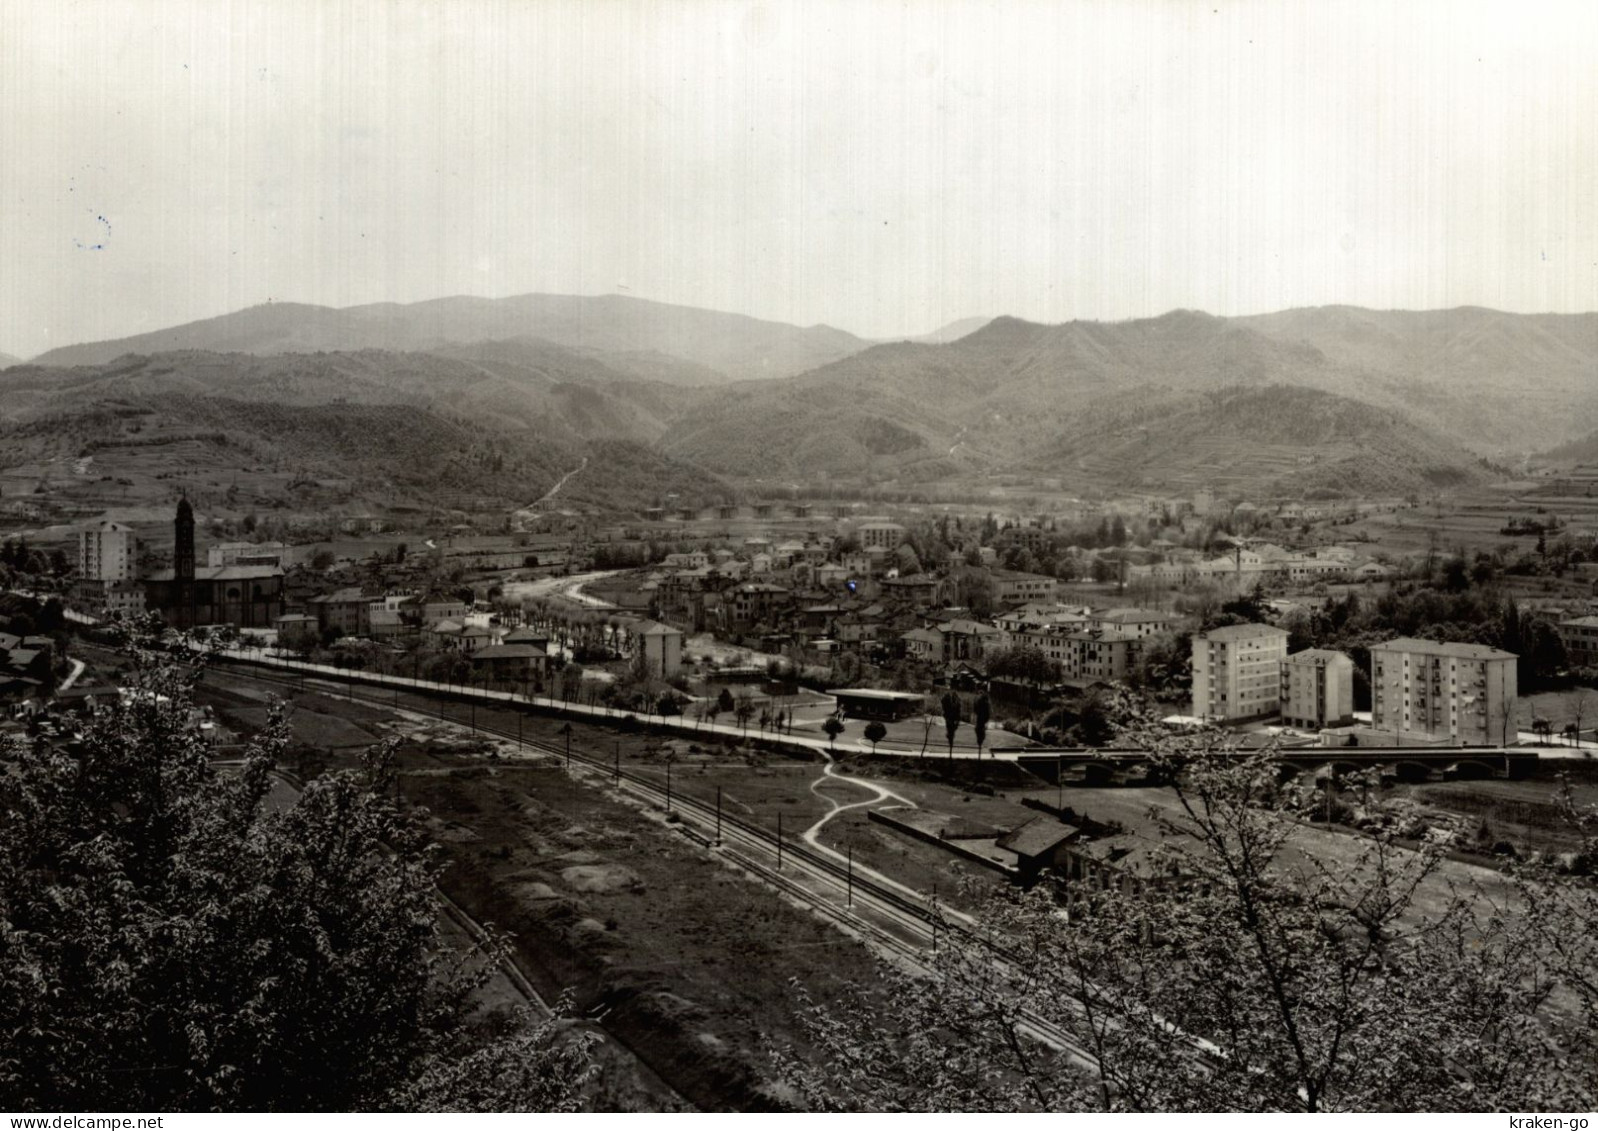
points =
(1233, 632)
(1037, 836)
(1438, 648)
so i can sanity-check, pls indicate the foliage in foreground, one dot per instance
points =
(175, 937)
(1244, 974)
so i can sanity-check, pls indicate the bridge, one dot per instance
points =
(1104, 766)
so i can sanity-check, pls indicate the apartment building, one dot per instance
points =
(1014, 587)
(887, 535)
(1237, 672)
(1580, 636)
(1317, 689)
(107, 551)
(1426, 692)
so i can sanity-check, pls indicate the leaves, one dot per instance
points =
(171, 938)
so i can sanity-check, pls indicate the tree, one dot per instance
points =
(951, 716)
(875, 732)
(724, 703)
(742, 710)
(834, 726)
(1221, 968)
(172, 941)
(979, 719)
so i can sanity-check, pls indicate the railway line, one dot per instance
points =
(901, 927)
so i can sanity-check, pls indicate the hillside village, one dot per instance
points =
(664, 609)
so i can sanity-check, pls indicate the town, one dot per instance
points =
(797, 557)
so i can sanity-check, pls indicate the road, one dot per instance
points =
(565, 588)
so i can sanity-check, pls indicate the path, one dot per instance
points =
(880, 793)
(561, 482)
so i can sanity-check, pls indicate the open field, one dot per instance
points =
(688, 963)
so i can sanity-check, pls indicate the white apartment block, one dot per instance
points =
(1426, 692)
(1237, 672)
(886, 535)
(1317, 689)
(107, 551)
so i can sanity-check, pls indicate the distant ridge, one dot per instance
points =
(728, 346)
(951, 332)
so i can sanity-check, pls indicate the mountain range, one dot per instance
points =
(1330, 400)
(720, 347)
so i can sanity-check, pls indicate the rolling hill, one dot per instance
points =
(656, 340)
(6, 361)
(1333, 400)
(399, 429)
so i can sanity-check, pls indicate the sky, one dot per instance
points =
(881, 167)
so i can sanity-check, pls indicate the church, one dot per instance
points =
(249, 596)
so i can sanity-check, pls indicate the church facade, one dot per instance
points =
(249, 596)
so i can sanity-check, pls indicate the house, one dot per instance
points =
(1317, 689)
(968, 640)
(754, 603)
(1426, 692)
(920, 590)
(661, 646)
(923, 644)
(1237, 672)
(512, 663)
(1039, 844)
(1368, 571)
(297, 630)
(1138, 623)
(345, 611)
(110, 598)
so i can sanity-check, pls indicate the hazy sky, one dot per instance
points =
(883, 167)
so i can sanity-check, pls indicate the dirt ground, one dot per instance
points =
(686, 962)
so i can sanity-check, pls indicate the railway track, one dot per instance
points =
(899, 926)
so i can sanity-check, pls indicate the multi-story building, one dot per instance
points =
(107, 551)
(1426, 692)
(1141, 623)
(247, 554)
(1317, 689)
(1083, 657)
(1237, 672)
(887, 535)
(1580, 636)
(1015, 587)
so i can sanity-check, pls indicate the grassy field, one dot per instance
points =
(691, 963)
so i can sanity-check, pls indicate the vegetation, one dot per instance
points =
(177, 937)
(1224, 970)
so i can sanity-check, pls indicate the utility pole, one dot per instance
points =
(850, 902)
(518, 730)
(618, 761)
(779, 842)
(718, 815)
(668, 785)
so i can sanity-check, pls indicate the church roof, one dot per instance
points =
(224, 573)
